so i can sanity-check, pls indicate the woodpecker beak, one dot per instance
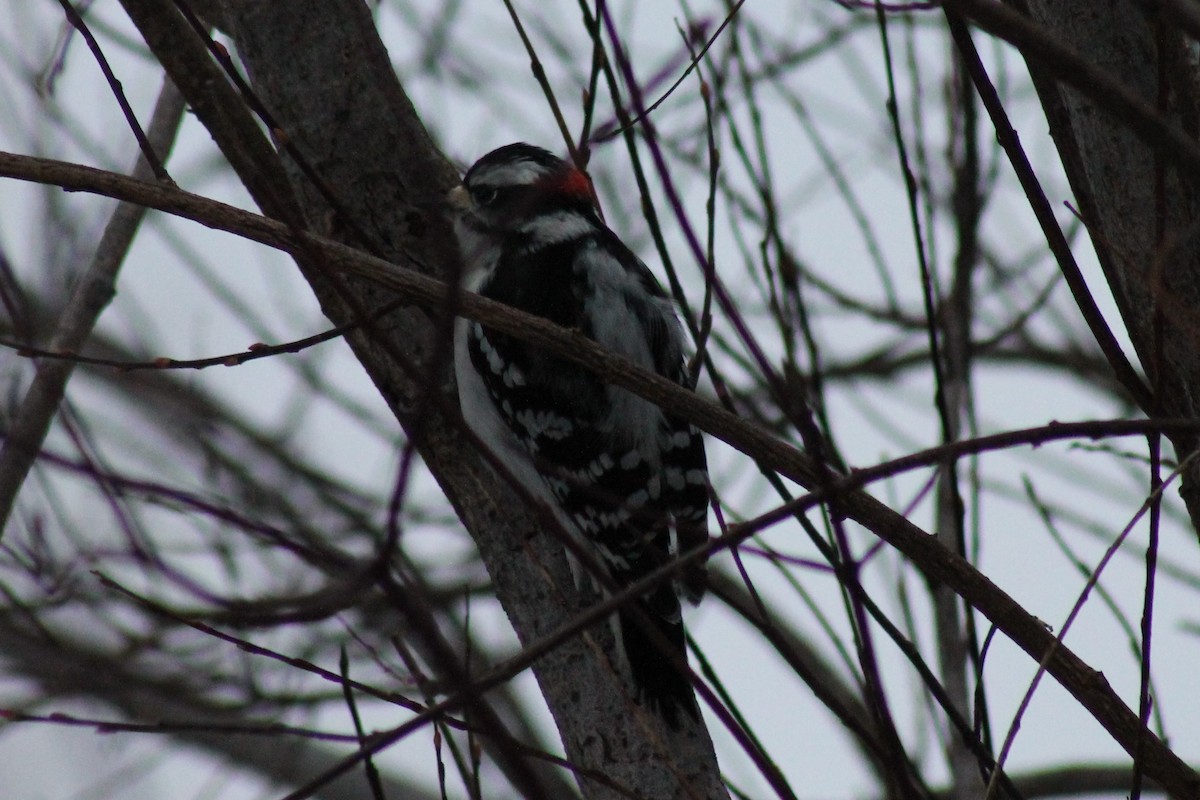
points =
(459, 199)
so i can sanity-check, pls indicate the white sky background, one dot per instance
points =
(164, 308)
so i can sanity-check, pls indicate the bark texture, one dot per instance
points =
(1139, 204)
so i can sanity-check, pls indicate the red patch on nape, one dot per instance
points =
(572, 183)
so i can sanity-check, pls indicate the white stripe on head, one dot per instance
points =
(523, 172)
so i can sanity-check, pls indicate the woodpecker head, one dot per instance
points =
(524, 195)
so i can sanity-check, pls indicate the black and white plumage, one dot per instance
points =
(624, 477)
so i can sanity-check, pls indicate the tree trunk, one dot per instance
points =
(368, 174)
(1139, 205)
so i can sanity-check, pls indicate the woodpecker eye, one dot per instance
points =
(484, 196)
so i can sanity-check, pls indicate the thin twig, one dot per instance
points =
(149, 153)
(252, 353)
(1142, 735)
(539, 74)
(348, 693)
(642, 115)
(1006, 135)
